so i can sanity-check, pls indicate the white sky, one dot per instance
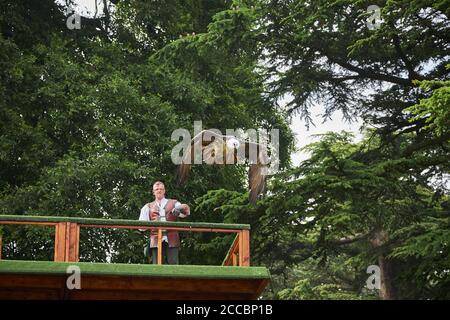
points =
(304, 136)
(86, 7)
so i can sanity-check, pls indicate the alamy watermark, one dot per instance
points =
(374, 280)
(74, 280)
(73, 20)
(252, 145)
(374, 21)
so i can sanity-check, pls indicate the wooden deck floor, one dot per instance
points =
(47, 280)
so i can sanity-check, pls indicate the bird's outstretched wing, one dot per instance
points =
(211, 146)
(208, 144)
(258, 169)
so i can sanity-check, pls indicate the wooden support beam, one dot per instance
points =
(241, 248)
(244, 248)
(232, 255)
(246, 261)
(159, 246)
(195, 229)
(30, 223)
(60, 242)
(77, 247)
(66, 242)
(72, 242)
(261, 288)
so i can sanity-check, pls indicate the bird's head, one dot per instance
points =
(233, 143)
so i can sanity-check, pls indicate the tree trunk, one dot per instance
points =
(387, 291)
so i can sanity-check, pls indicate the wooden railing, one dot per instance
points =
(67, 234)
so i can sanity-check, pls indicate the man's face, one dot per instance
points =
(159, 191)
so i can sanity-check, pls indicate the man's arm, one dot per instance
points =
(144, 216)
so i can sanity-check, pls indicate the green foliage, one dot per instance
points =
(321, 225)
(41, 249)
(86, 118)
(435, 109)
(312, 282)
(427, 244)
(86, 115)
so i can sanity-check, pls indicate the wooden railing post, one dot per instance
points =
(60, 242)
(159, 246)
(244, 248)
(72, 242)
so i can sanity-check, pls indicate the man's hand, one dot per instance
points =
(177, 210)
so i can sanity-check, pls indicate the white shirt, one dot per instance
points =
(145, 212)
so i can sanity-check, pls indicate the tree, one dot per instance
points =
(87, 115)
(348, 207)
(322, 52)
(86, 118)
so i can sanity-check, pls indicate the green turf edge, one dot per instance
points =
(137, 270)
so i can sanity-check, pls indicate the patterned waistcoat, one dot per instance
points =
(172, 235)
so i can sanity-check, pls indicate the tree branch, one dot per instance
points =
(411, 73)
(426, 143)
(344, 241)
(342, 79)
(372, 74)
(107, 16)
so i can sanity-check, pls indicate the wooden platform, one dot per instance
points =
(47, 280)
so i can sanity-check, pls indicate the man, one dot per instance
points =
(163, 209)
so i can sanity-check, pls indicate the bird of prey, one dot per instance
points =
(226, 149)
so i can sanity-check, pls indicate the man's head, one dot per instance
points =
(158, 190)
